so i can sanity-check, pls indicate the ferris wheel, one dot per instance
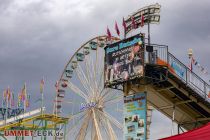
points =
(95, 112)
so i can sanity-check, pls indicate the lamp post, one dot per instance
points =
(190, 53)
(151, 15)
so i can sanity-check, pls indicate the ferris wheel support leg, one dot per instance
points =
(82, 132)
(96, 126)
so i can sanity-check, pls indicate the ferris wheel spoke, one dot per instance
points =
(77, 122)
(104, 92)
(111, 131)
(100, 68)
(94, 76)
(108, 92)
(89, 70)
(76, 90)
(100, 81)
(73, 116)
(106, 127)
(112, 119)
(83, 79)
(95, 68)
(103, 124)
(113, 100)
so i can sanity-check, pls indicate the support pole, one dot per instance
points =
(65, 131)
(98, 133)
(173, 118)
(6, 111)
(33, 129)
(42, 92)
(124, 33)
(178, 128)
(45, 127)
(148, 30)
(149, 53)
(42, 104)
(42, 128)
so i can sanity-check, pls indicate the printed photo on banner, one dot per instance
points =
(124, 60)
(135, 117)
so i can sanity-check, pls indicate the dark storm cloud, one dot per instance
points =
(38, 37)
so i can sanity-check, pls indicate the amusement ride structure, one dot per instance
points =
(100, 76)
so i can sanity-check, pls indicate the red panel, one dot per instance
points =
(202, 133)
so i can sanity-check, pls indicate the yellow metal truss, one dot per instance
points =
(27, 123)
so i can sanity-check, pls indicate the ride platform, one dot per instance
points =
(172, 88)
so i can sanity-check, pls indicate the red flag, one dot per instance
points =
(193, 61)
(133, 23)
(56, 86)
(41, 85)
(117, 29)
(142, 20)
(209, 95)
(108, 33)
(124, 24)
(191, 65)
(8, 93)
(23, 92)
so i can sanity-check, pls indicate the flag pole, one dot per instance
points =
(42, 103)
(24, 98)
(149, 53)
(56, 99)
(42, 92)
(148, 31)
(6, 106)
(124, 25)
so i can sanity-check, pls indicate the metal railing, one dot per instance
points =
(159, 52)
(177, 68)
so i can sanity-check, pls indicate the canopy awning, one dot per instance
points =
(202, 133)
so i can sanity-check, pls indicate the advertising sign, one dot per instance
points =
(177, 68)
(135, 117)
(124, 60)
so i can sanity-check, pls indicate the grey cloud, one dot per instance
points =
(38, 39)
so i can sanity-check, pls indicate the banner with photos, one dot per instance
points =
(135, 117)
(124, 60)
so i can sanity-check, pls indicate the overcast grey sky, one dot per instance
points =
(37, 37)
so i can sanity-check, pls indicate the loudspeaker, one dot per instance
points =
(149, 48)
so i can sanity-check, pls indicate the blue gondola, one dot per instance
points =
(80, 56)
(93, 45)
(69, 73)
